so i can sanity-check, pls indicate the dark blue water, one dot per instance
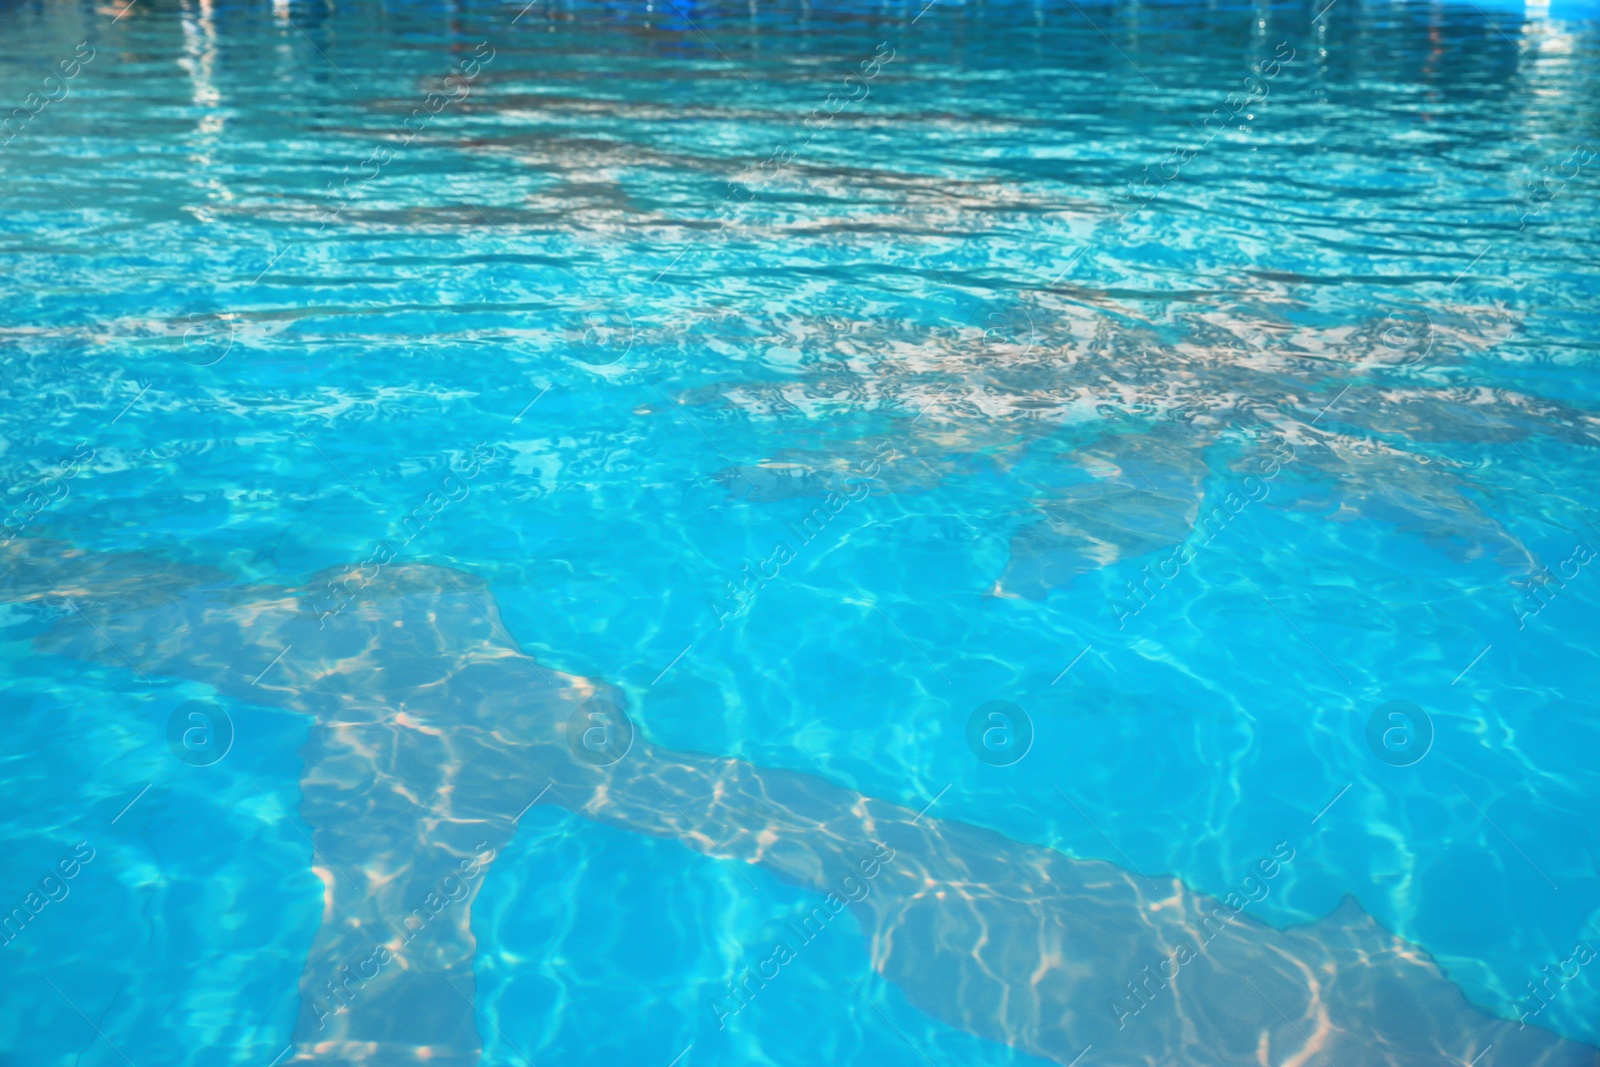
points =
(1198, 379)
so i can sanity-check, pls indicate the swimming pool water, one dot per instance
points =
(1198, 379)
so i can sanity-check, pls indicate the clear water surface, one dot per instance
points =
(1073, 268)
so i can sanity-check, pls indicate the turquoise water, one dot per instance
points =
(813, 415)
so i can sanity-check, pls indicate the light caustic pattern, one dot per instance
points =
(683, 534)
